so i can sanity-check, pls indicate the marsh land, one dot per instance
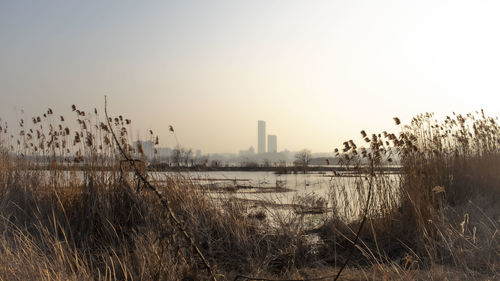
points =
(437, 218)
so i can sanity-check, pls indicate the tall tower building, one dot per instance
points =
(272, 143)
(261, 137)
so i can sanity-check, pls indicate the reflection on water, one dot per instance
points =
(311, 194)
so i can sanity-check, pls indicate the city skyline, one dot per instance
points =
(262, 147)
(271, 146)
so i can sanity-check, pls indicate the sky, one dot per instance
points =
(318, 72)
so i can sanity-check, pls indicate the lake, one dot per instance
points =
(310, 194)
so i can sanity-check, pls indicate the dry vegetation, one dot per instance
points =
(439, 220)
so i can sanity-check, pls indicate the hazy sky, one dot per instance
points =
(317, 72)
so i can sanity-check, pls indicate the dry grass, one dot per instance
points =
(98, 223)
(71, 210)
(442, 211)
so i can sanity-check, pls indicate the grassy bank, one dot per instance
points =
(440, 220)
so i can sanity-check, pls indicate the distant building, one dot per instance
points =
(198, 153)
(248, 152)
(261, 139)
(272, 143)
(164, 153)
(146, 148)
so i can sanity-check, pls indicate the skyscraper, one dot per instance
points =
(272, 143)
(261, 138)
